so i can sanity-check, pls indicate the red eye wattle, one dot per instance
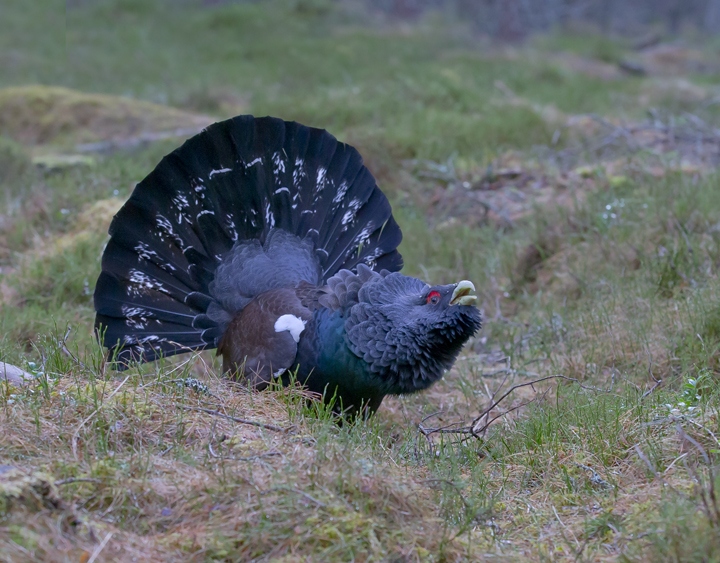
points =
(433, 298)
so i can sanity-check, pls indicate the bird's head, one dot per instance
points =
(409, 332)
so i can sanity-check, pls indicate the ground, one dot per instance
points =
(580, 198)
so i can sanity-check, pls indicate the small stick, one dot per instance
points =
(514, 387)
(77, 480)
(100, 547)
(67, 352)
(293, 490)
(238, 420)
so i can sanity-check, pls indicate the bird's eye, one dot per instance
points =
(433, 298)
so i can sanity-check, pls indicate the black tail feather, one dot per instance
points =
(236, 181)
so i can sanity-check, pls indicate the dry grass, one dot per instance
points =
(160, 470)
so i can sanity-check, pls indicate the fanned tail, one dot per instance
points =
(213, 208)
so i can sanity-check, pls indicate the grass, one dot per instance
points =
(606, 278)
(71, 117)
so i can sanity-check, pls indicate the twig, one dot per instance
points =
(478, 432)
(678, 458)
(425, 432)
(77, 480)
(596, 479)
(238, 420)
(704, 428)
(531, 383)
(485, 426)
(100, 547)
(577, 543)
(293, 490)
(655, 379)
(67, 352)
(651, 467)
(252, 457)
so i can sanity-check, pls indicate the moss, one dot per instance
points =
(54, 281)
(14, 161)
(35, 115)
(33, 490)
(96, 217)
(57, 162)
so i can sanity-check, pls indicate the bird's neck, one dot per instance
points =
(326, 362)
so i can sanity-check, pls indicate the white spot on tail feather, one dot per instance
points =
(140, 283)
(371, 259)
(151, 338)
(219, 171)
(342, 190)
(130, 311)
(143, 250)
(180, 201)
(320, 181)
(135, 317)
(166, 228)
(279, 165)
(364, 235)
(291, 323)
(353, 207)
(299, 172)
(165, 224)
(230, 224)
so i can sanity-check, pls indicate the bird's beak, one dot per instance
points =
(463, 294)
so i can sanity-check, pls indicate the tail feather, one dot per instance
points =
(132, 268)
(154, 340)
(235, 182)
(150, 305)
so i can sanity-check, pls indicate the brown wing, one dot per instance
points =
(260, 341)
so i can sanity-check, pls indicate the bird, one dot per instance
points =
(271, 242)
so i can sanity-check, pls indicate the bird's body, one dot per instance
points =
(270, 241)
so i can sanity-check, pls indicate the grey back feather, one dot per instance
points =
(343, 288)
(250, 269)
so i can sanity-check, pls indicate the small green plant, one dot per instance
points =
(694, 388)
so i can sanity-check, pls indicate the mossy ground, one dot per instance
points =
(605, 273)
(40, 115)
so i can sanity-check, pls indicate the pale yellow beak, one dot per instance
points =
(464, 294)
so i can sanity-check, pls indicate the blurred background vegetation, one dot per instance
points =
(562, 154)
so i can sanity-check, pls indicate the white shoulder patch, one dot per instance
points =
(290, 323)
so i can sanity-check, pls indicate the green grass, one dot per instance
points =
(427, 93)
(587, 42)
(611, 280)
